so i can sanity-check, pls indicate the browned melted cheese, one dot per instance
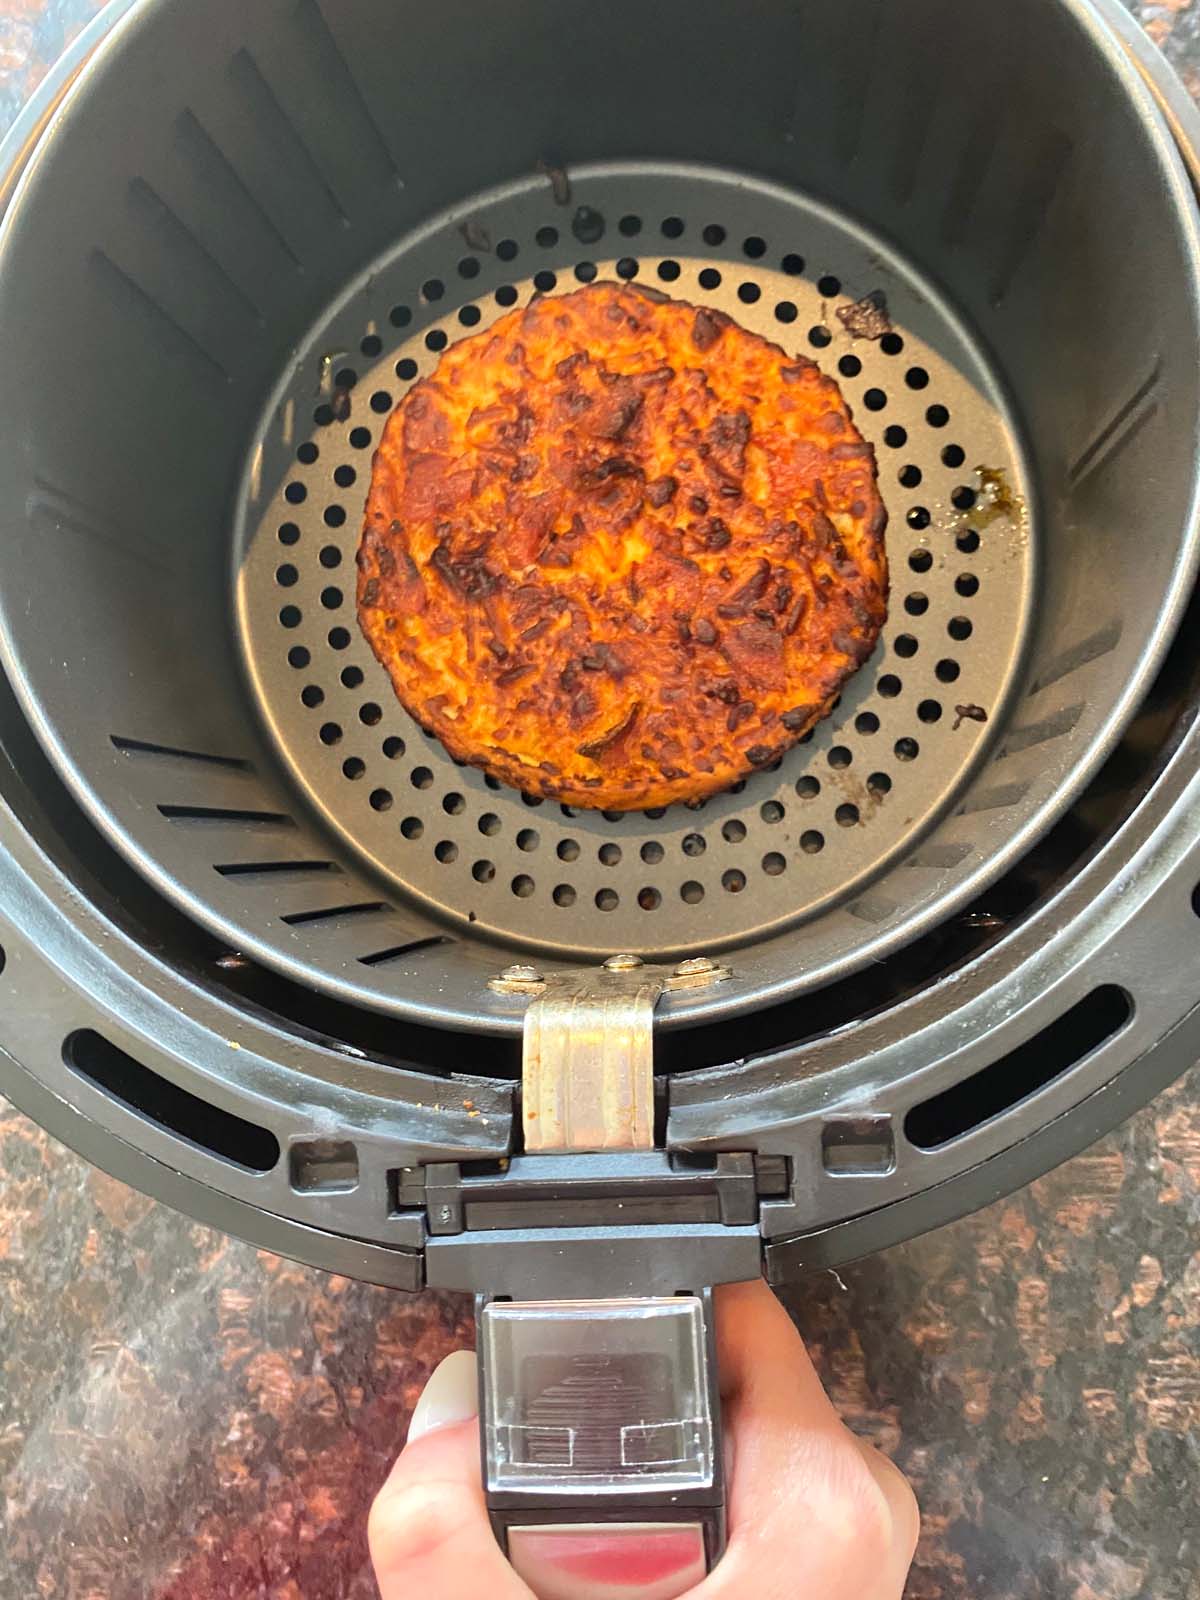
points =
(619, 551)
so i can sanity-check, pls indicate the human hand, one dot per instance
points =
(814, 1512)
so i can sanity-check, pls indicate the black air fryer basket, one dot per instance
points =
(256, 923)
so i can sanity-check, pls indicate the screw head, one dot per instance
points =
(623, 963)
(696, 967)
(521, 973)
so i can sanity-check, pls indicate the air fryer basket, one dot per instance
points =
(268, 241)
(251, 228)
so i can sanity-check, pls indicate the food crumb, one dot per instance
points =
(867, 318)
(475, 235)
(969, 713)
(560, 184)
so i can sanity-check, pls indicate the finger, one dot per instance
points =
(906, 1517)
(428, 1529)
(810, 1515)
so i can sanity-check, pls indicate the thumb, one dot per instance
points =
(428, 1529)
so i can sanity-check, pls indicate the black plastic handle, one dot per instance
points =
(601, 1440)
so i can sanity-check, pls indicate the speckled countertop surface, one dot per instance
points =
(183, 1417)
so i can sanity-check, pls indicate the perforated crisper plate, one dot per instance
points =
(788, 843)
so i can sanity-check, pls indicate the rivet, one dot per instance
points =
(520, 973)
(697, 966)
(622, 963)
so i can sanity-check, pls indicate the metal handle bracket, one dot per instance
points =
(588, 1053)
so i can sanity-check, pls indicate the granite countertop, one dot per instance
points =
(183, 1417)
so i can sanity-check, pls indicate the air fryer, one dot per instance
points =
(270, 954)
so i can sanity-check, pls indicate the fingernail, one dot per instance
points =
(451, 1395)
(587, 1561)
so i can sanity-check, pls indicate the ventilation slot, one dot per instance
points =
(113, 1070)
(272, 819)
(1022, 1072)
(1120, 431)
(140, 747)
(302, 919)
(256, 869)
(152, 319)
(381, 957)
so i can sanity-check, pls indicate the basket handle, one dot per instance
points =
(600, 1436)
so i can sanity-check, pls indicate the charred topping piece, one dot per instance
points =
(867, 318)
(597, 747)
(969, 713)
